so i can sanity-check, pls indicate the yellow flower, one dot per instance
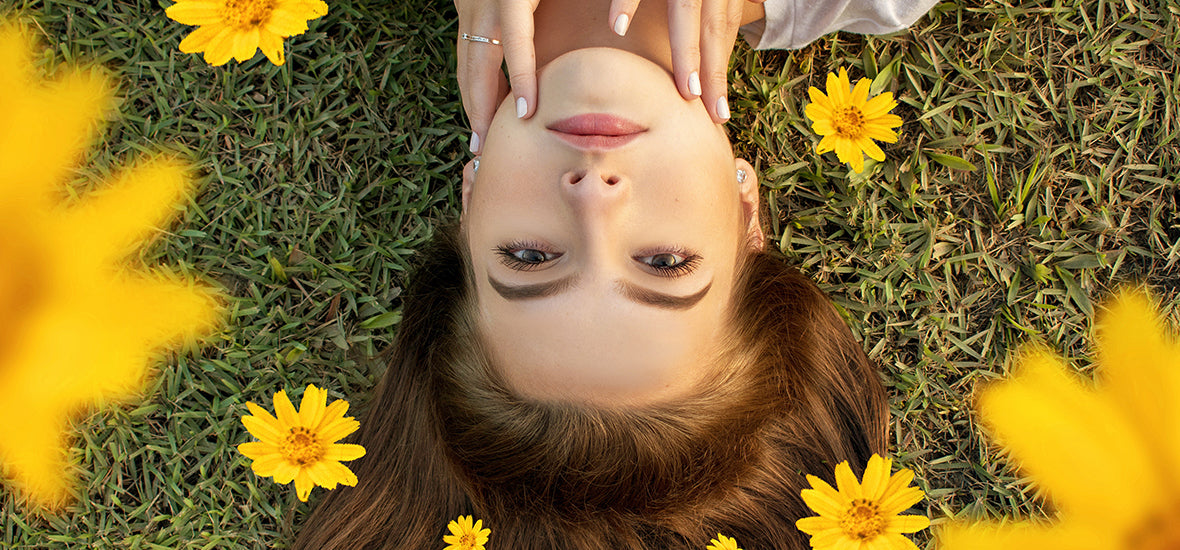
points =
(79, 326)
(1106, 454)
(850, 122)
(722, 542)
(863, 515)
(238, 28)
(465, 536)
(301, 445)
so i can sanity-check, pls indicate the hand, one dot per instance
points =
(702, 33)
(481, 82)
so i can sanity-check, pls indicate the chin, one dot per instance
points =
(605, 80)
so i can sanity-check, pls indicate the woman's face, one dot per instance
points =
(604, 233)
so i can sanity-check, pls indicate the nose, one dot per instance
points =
(592, 189)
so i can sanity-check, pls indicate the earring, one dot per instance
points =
(741, 176)
(474, 166)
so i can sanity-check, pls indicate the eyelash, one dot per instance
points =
(691, 260)
(508, 257)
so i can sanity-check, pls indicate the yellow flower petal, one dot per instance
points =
(816, 524)
(263, 427)
(823, 127)
(311, 408)
(908, 524)
(880, 133)
(344, 452)
(1079, 447)
(898, 542)
(245, 45)
(195, 12)
(879, 106)
(271, 45)
(859, 94)
(333, 414)
(339, 429)
(257, 449)
(321, 475)
(303, 484)
(819, 99)
(837, 88)
(284, 472)
(270, 465)
(828, 143)
(823, 504)
(901, 500)
(871, 149)
(823, 487)
(200, 39)
(286, 23)
(1026, 536)
(285, 411)
(876, 477)
(219, 50)
(1141, 371)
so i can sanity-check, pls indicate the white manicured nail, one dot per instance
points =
(474, 142)
(694, 83)
(723, 108)
(522, 107)
(621, 23)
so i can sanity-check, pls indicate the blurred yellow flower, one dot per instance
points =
(849, 122)
(238, 28)
(1106, 454)
(79, 327)
(722, 542)
(465, 536)
(863, 515)
(301, 445)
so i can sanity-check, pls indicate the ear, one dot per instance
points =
(468, 182)
(750, 197)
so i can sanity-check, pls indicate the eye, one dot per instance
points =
(523, 256)
(672, 263)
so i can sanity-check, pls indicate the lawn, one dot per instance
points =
(1037, 169)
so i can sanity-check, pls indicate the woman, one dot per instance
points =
(602, 354)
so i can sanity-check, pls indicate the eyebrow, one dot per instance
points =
(633, 292)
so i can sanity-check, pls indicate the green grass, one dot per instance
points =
(1037, 169)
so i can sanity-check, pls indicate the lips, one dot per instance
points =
(596, 131)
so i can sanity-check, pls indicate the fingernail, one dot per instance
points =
(723, 108)
(694, 83)
(621, 23)
(474, 142)
(522, 107)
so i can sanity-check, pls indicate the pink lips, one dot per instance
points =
(596, 131)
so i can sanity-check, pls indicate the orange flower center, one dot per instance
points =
(302, 447)
(247, 14)
(849, 123)
(467, 540)
(862, 520)
(1161, 531)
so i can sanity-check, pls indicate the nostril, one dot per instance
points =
(612, 180)
(573, 178)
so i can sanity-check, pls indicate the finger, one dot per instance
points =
(481, 86)
(684, 26)
(719, 28)
(621, 13)
(521, 59)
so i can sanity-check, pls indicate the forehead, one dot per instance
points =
(591, 344)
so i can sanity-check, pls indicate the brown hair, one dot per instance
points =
(445, 437)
